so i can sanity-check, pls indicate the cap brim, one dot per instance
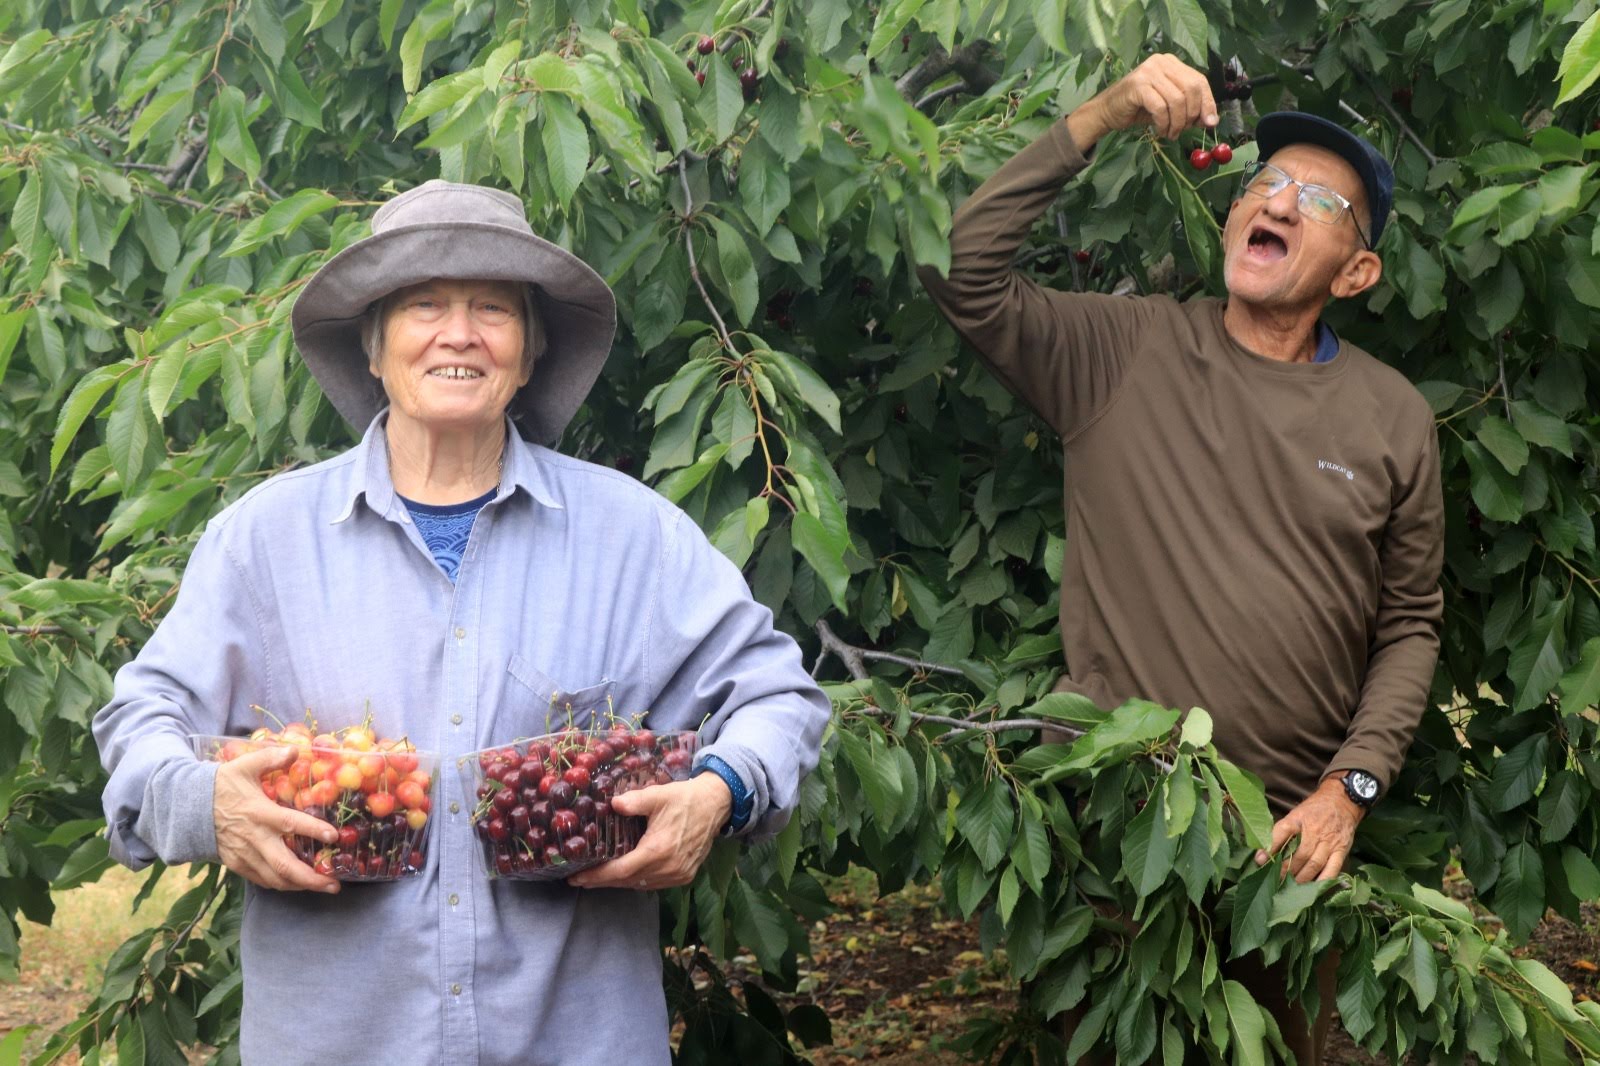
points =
(576, 306)
(1283, 128)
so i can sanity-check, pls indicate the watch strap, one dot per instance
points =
(743, 799)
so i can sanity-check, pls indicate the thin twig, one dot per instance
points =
(1500, 357)
(694, 268)
(15, 126)
(157, 167)
(269, 190)
(31, 631)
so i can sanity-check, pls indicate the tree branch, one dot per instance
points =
(855, 658)
(927, 103)
(31, 631)
(185, 162)
(966, 61)
(1405, 127)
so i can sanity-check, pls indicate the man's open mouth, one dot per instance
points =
(1266, 245)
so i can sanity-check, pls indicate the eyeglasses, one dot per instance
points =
(1316, 202)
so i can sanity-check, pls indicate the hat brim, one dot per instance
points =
(1283, 128)
(577, 309)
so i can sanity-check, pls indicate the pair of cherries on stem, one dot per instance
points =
(1221, 154)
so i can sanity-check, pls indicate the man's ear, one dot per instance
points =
(1359, 273)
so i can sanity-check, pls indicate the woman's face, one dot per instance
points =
(452, 353)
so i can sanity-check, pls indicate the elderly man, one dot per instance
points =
(1254, 522)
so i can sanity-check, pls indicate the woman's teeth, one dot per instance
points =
(454, 372)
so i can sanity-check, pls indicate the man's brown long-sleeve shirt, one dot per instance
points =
(1259, 538)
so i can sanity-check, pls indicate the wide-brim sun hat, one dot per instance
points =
(1283, 128)
(444, 230)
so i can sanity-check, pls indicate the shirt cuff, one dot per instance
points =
(743, 797)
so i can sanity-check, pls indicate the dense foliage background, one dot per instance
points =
(172, 172)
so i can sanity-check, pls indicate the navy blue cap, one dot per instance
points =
(1283, 128)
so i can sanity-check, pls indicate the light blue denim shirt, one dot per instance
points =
(315, 591)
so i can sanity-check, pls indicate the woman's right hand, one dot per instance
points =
(251, 827)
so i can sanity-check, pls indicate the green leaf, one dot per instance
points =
(1580, 686)
(130, 1042)
(1560, 804)
(566, 146)
(1066, 706)
(986, 818)
(1582, 877)
(283, 218)
(893, 17)
(808, 385)
(85, 395)
(1178, 803)
(11, 324)
(157, 109)
(230, 132)
(825, 554)
(1519, 894)
(1147, 849)
(1245, 790)
(1197, 728)
(1537, 660)
(1580, 60)
(1252, 910)
(763, 185)
(1187, 24)
(1420, 969)
(1518, 772)
(1504, 442)
(738, 269)
(721, 99)
(1496, 492)
(441, 94)
(1246, 1022)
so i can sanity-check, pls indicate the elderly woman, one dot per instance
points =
(464, 579)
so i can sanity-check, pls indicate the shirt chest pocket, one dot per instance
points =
(539, 704)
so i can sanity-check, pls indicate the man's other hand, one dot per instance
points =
(1326, 825)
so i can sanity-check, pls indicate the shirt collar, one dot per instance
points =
(367, 474)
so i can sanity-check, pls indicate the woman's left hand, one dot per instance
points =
(684, 818)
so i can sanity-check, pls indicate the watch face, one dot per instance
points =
(1363, 785)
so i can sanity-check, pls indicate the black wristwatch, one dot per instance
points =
(1362, 788)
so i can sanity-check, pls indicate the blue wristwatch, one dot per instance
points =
(743, 799)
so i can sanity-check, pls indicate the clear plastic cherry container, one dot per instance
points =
(542, 806)
(378, 793)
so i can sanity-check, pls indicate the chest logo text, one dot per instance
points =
(1349, 475)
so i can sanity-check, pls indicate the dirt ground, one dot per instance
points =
(898, 978)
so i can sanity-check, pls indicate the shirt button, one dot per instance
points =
(454, 899)
(455, 990)
(455, 808)
(461, 634)
(455, 719)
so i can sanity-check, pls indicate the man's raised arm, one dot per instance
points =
(1062, 353)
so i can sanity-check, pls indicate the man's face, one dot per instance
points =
(1276, 259)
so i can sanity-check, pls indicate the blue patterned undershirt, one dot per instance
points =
(445, 528)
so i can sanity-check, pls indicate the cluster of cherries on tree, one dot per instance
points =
(377, 791)
(749, 79)
(544, 805)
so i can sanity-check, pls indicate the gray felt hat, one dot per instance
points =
(461, 232)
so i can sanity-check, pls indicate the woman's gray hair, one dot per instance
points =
(533, 338)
